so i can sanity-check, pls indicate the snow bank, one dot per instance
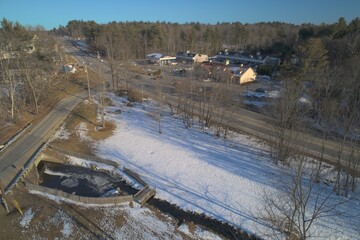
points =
(199, 233)
(81, 131)
(55, 173)
(26, 218)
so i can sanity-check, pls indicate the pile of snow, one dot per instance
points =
(62, 218)
(224, 179)
(199, 233)
(87, 163)
(55, 173)
(69, 68)
(141, 223)
(26, 218)
(111, 193)
(61, 134)
(70, 182)
(81, 131)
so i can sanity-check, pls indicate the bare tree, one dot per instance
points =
(300, 203)
(348, 146)
(185, 90)
(160, 101)
(110, 39)
(287, 117)
(35, 78)
(10, 80)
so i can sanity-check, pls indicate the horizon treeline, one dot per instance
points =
(269, 38)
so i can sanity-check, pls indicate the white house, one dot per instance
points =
(160, 58)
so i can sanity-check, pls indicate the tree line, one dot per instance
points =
(27, 65)
(141, 38)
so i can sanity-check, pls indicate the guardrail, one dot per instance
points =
(25, 169)
(14, 138)
(81, 199)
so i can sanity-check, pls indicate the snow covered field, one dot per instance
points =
(224, 179)
(193, 169)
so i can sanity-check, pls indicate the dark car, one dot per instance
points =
(260, 90)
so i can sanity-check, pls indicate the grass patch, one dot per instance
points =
(83, 126)
(103, 133)
(134, 95)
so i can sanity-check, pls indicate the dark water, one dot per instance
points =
(223, 229)
(90, 183)
(81, 181)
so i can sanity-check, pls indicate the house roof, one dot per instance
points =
(155, 55)
(239, 71)
(244, 57)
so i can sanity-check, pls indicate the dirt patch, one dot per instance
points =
(103, 133)
(84, 112)
(51, 220)
(135, 95)
(82, 127)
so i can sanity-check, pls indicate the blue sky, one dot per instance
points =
(52, 13)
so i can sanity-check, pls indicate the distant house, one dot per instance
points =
(245, 75)
(159, 58)
(229, 57)
(21, 47)
(192, 57)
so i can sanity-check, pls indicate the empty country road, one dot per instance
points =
(17, 154)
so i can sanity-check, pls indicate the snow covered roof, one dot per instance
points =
(238, 71)
(155, 55)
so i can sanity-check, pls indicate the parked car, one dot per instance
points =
(260, 90)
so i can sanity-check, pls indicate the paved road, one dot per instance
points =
(243, 120)
(16, 155)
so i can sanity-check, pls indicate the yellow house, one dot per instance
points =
(199, 58)
(246, 75)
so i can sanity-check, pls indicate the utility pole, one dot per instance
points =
(142, 91)
(102, 97)
(103, 105)
(126, 80)
(88, 82)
